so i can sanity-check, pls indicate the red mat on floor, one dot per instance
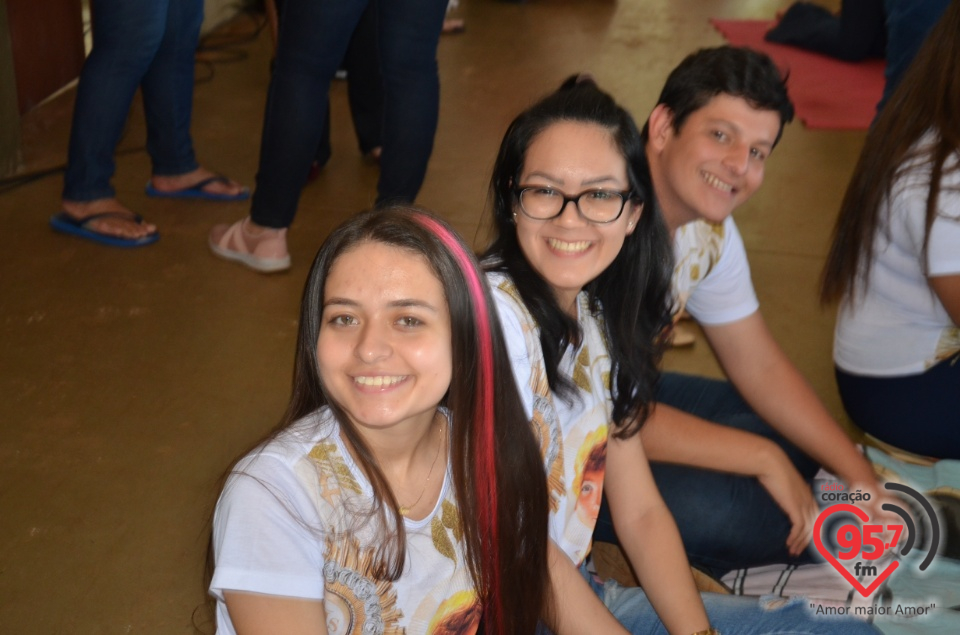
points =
(828, 94)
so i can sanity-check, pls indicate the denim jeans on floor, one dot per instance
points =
(314, 35)
(729, 614)
(136, 43)
(726, 521)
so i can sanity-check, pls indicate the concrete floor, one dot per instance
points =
(130, 379)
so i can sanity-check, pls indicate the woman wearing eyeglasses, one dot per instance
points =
(580, 269)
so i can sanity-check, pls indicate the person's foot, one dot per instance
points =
(115, 224)
(681, 336)
(263, 249)
(179, 182)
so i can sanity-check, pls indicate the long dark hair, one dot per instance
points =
(632, 292)
(504, 511)
(927, 100)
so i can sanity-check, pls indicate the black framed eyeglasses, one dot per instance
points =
(595, 205)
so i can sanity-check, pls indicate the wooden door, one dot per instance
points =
(47, 42)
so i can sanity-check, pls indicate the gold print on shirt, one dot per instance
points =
(581, 370)
(354, 602)
(441, 541)
(545, 424)
(333, 472)
(548, 432)
(948, 346)
(700, 245)
(451, 519)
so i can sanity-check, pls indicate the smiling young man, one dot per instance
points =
(732, 459)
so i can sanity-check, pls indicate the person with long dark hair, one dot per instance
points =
(395, 496)
(894, 263)
(580, 265)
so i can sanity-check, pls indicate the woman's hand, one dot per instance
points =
(792, 494)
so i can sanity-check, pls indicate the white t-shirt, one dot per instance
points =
(711, 278)
(283, 526)
(898, 326)
(572, 435)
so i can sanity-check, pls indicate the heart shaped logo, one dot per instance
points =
(832, 559)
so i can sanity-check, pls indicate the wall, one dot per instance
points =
(47, 41)
(9, 115)
(12, 101)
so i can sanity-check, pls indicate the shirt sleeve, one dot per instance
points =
(726, 294)
(267, 534)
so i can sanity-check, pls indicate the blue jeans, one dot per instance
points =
(136, 43)
(729, 614)
(314, 35)
(726, 521)
(908, 23)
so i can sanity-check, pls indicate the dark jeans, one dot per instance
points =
(136, 43)
(918, 413)
(364, 86)
(313, 38)
(908, 24)
(726, 521)
(857, 33)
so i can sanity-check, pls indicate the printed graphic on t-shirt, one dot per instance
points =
(572, 428)
(698, 246)
(357, 604)
(458, 615)
(545, 424)
(446, 530)
(333, 472)
(354, 601)
(591, 465)
(948, 346)
(436, 590)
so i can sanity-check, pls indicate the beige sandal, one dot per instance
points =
(681, 336)
(265, 252)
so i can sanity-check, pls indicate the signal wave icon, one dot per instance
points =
(934, 524)
(852, 540)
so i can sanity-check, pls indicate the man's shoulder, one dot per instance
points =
(699, 246)
(701, 234)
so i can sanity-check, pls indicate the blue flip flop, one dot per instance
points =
(196, 191)
(64, 223)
